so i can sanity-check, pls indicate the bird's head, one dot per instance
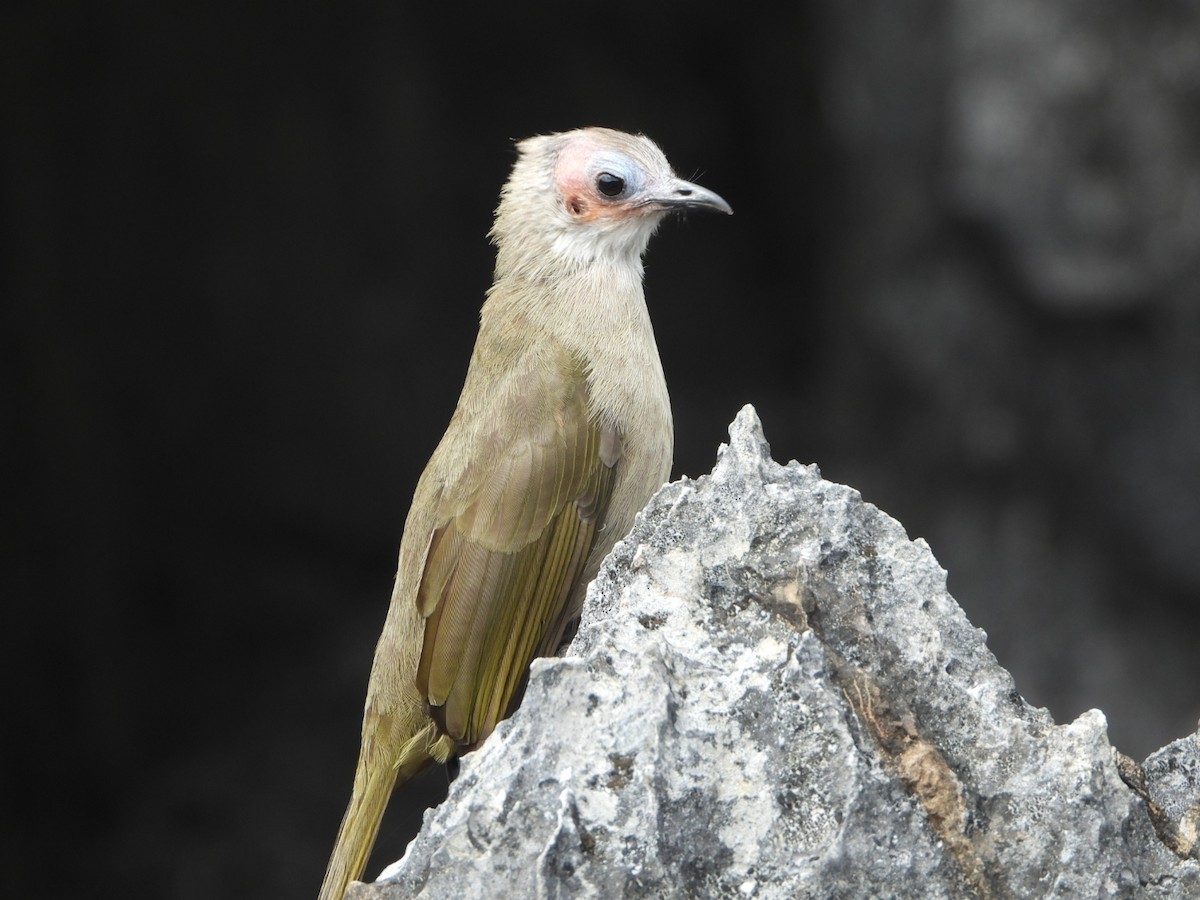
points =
(586, 196)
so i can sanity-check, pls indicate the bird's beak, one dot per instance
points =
(680, 194)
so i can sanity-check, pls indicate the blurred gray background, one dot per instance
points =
(244, 254)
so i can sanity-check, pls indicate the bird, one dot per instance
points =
(562, 432)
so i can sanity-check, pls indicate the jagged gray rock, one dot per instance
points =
(773, 695)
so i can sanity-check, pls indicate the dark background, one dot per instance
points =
(244, 250)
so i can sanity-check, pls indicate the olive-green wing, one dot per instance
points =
(499, 573)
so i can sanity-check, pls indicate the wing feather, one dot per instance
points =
(519, 524)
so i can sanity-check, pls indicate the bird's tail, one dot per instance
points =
(374, 780)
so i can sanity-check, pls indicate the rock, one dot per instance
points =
(772, 694)
(1012, 315)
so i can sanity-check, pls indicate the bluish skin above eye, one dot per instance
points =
(621, 166)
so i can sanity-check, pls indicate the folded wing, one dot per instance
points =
(519, 526)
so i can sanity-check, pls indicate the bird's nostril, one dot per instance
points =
(684, 192)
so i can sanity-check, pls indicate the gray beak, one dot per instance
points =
(680, 194)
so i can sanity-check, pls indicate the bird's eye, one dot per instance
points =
(610, 185)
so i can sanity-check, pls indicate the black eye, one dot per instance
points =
(610, 185)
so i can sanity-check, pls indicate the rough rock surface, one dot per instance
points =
(772, 694)
(1013, 317)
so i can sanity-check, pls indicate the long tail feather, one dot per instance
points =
(374, 781)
